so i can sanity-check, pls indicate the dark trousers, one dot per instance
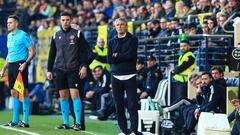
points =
(130, 86)
(236, 126)
(235, 130)
(180, 90)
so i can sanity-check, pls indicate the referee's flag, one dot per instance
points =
(19, 86)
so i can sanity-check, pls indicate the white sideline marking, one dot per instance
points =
(19, 130)
(91, 133)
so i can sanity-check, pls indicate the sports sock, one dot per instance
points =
(77, 109)
(65, 111)
(16, 109)
(26, 107)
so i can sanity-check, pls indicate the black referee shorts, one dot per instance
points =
(67, 79)
(13, 72)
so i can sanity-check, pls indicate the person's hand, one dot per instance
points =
(198, 90)
(196, 113)
(49, 75)
(2, 73)
(144, 95)
(89, 94)
(83, 72)
(22, 66)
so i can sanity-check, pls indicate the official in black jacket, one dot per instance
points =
(122, 55)
(68, 59)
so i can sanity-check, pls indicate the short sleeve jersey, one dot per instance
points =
(18, 45)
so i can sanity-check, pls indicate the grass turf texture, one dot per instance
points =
(45, 125)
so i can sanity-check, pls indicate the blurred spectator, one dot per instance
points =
(155, 29)
(204, 6)
(221, 18)
(234, 6)
(101, 86)
(100, 52)
(154, 76)
(169, 9)
(205, 28)
(218, 76)
(187, 9)
(220, 6)
(175, 27)
(108, 8)
(163, 26)
(186, 29)
(158, 11)
(179, 6)
(193, 29)
(212, 24)
(141, 76)
(143, 13)
(53, 25)
(88, 6)
(117, 3)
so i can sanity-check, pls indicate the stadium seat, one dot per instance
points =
(213, 124)
(148, 121)
(159, 96)
(150, 118)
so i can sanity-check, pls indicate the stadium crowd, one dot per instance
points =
(156, 18)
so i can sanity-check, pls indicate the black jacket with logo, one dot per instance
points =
(68, 50)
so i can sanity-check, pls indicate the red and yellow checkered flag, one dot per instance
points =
(19, 86)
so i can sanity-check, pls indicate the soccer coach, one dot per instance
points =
(122, 55)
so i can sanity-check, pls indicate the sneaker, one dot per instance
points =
(121, 134)
(77, 127)
(10, 124)
(62, 126)
(22, 124)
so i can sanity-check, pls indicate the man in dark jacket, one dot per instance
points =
(210, 96)
(209, 99)
(141, 76)
(122, 55)
(102, 86)
(217, 74)
(68, 59)
(154, 75)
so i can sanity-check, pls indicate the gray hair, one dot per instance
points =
(121, 19)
